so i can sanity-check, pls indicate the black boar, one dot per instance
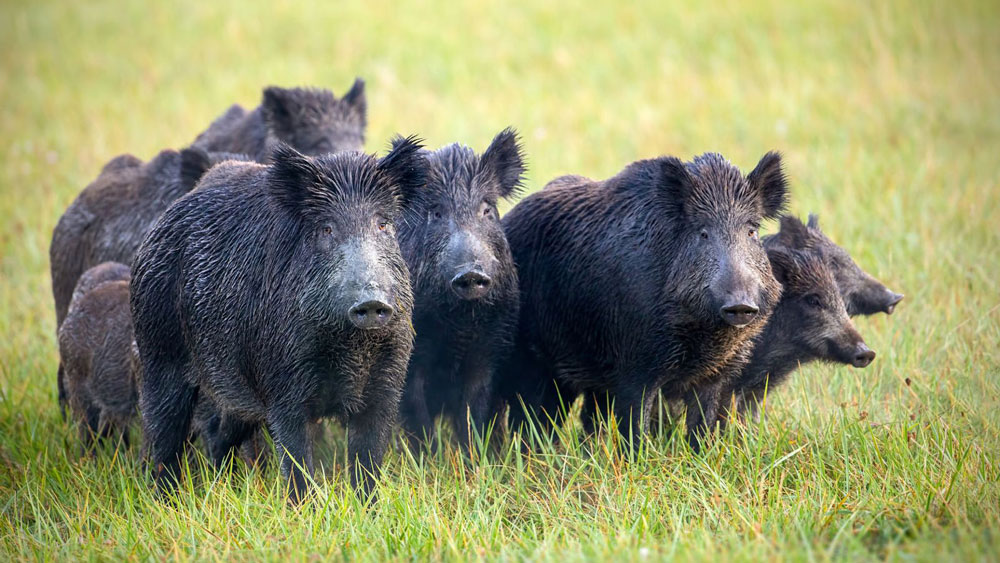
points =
(111, 216)
(863, 294)
(464, 286)
(310, 120)
(810, 323)
(654, 279)
(280, 292)
(94, 344)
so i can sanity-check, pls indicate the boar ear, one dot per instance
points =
(279, 107)
(291, 177)
(355, 97)
(505, 160)
(405, 166)
(194, 163)
(769, 181)
(674, 176)
(813, 221)
(783, 265)
(793, 233)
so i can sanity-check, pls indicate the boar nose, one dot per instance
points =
(370, 314)
(471, 285)
(863, 355)
(739, 313)
(894, 299)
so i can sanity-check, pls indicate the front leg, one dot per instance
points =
(369, 430)
(417, 419)
(702, 412)
(289, 428)
(368, 435)
(474, 412)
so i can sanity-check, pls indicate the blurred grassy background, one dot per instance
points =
(888, 114)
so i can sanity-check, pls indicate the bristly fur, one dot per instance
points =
(623, 282)
(311, 120)
(309, 185)
(810, 323)
(246, 292)
(111, 216)
(452, 228)
(862, 293)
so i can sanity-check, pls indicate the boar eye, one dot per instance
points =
(752, 233)
(486, 210)
(382, 224)
(814, 301)
(436, 213)
(704, 234)
(327, 230)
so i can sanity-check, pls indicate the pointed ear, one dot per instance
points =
(783, 265)
(279, 108)
(793, 233)
(505, 160)
(405, 167)
(677, 182)
(813, 221)
(355, 97)
(291, 177)
(769, 181)
(194, 163)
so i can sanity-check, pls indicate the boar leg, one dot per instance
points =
(702, 413)
(230, 434)
(472, 414)
(289, 428)
(419, 422)
(368, 436)
(167, 407)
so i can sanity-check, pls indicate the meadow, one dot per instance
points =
(887, 113)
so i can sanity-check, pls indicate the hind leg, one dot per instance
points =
(167, 408)
(231, 434)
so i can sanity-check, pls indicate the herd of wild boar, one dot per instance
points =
(272, 275)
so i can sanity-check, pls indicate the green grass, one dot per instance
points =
(888, 114)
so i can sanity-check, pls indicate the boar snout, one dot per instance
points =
(863, 355)
(739, 312)
(471, 284)
(370, 313)
(894, 299)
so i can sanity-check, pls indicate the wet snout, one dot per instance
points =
(737, 287)
(863, 355)
(892, 300)
(370, 313)
(739, 312)
(367, 285)
(471, 284)
(467, 264)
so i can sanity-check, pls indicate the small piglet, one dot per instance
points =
(111, 216)
(464, 285)
(95, 343)
(280, 292)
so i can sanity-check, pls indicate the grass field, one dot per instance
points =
(888, 114)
